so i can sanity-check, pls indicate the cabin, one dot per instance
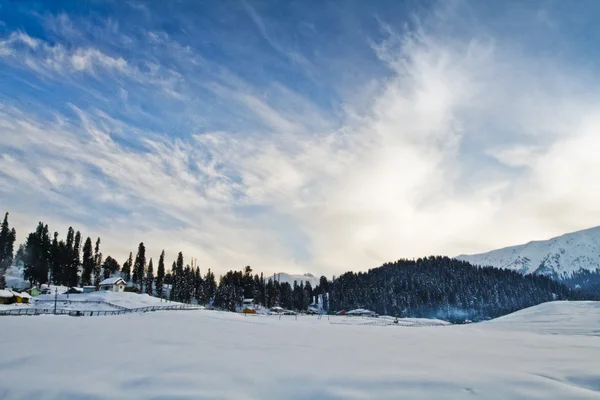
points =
(22, 297)
(113, 285)
(89, 289)
(73, 290)
(361, 312)
(248, 306)
(7, 297)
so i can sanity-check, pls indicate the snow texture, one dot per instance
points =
(548, 351)
(557, 257)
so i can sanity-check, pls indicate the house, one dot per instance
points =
(361, 312)
(73, 290)
(7, 297)
(248, 306)
(22, 297)
(34, 291)
(89, 289)
(113, 284)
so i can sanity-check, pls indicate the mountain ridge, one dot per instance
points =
(558, 257)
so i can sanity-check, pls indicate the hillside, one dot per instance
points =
(558, 257)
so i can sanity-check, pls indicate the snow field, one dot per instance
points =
(218, 355)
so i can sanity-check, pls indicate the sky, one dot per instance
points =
(300, 136)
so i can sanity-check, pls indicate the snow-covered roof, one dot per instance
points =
(112, 281)
(90, 286)
(24, 295)
(248, 300)
(7, 294)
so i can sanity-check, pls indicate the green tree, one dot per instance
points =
(160, 275)
(87, 263)
(149, 278)
(139, 267)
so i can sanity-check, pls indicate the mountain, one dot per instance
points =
(558, 257)
(290, 278)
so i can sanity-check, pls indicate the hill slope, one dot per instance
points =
(558, 257)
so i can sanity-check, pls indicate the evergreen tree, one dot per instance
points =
(97, 264)
(72, 278)
(139, 267)
(110, 267)
(7, 242)
(126, 271)
(149, 278)
(174, 284)
(87, 263)
(198, 287)
(37, 256)
(179, 279)
(210, 286)
(55, 260)
(160, 275)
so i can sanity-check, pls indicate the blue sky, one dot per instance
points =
(300, 136)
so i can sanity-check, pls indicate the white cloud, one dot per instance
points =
(468, 145)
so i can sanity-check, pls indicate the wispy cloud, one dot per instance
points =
(465, 143)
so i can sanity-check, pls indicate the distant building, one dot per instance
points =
(89, 289)
(7, 297)
(22, 297)
(113, 284)
(248, 306)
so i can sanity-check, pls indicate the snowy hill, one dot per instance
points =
(557, 257)
(290, 278)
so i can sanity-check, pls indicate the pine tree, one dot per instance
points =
(179, 278)
(110, 267)
(72, 277)
(160, 275)
(7, 241)
(139, 267)
(198, 286)
(210, 287)
(37, 256)
(149, 278)
(127, 265)
(97, 264)
(174, 284)
(87, 263)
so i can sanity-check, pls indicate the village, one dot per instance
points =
(107, 296)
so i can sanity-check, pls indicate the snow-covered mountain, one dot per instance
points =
(556, 257)
(290, 278)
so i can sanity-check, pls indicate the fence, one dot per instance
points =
(81, 313)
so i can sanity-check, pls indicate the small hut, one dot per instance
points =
(21, 297)
(7, 297)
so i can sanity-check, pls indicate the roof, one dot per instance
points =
(90, 286)
(248, 300)
(23, 295)
(7, 294)
(112, 281)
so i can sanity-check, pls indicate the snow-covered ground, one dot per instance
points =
(548, 351)
(127, 299)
